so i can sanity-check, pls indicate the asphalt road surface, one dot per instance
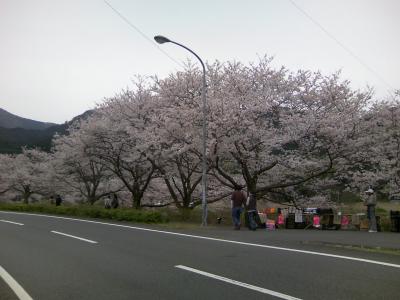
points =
(60, 258)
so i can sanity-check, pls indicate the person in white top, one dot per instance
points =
(370, 203)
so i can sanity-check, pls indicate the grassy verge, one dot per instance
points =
(383, 209)
(120, 214)
(372, 249)
(191, 217)
(167, 217)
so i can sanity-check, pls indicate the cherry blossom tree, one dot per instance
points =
(77, 170)
(118, 133)
(5, 166)
(375, 161)
(269, 130)
(272, 129)
(177, 131)
(28, 172)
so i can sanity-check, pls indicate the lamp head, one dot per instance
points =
(161, 39)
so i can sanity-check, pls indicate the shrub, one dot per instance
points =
(380, 210)
(385, 223)
(120, 214)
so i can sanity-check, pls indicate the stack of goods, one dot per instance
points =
(263, 217)
(395, 220)
(290, 224)
(272, 216)
(364, 224)
(270, 224)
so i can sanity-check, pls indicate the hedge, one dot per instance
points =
(120, 214)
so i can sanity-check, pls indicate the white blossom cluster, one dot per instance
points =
(269, 131)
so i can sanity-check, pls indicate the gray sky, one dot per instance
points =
(58, 58)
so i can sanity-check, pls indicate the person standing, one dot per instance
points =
(251, 210)
(370, 203)
(115, 202)
(238, 200)
(58, 200)
(107, 202)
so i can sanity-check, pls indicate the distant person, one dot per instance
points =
(238, 200)
(370, 203)
(251, 210)
(58, 200)
(107, 202)
(114, 202)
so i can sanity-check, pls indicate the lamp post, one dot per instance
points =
(161, 40)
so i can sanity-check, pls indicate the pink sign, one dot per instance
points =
(281, 220)
(316, 221)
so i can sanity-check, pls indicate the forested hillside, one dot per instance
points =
(13, 139)
(39, 135)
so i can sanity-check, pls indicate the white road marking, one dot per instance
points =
(381, 263)
(242, 284)
(5, 221)
(17, 289)
(75, 237)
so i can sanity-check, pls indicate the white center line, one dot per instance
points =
(17, 289)
(75, 237)
(5, 221)
(242, 284)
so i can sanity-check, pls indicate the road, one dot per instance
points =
(60, 258)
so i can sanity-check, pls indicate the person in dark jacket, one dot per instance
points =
(238, 200)
(58, 200)
(115, 202)
(370, 203)
(251, 210)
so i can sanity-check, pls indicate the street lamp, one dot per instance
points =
(161, 40)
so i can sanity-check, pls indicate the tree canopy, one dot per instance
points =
(270, 131)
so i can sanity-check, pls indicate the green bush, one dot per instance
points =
(120, 214)
(385, 223)
(380, 210)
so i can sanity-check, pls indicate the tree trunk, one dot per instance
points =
(91, 199)
(26, 198)
(136, 200)
(188, 201)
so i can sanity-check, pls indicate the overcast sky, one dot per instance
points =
(59, 58)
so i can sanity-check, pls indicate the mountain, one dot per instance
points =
(9, 120)
(13, 139)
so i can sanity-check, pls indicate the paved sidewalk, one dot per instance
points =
(387, 240)
(362, 239)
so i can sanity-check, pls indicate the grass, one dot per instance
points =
(120, 214)
(382, 208)
(194, 216)
(357, 247)
(170, 217)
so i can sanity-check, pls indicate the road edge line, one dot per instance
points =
(14, 285)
